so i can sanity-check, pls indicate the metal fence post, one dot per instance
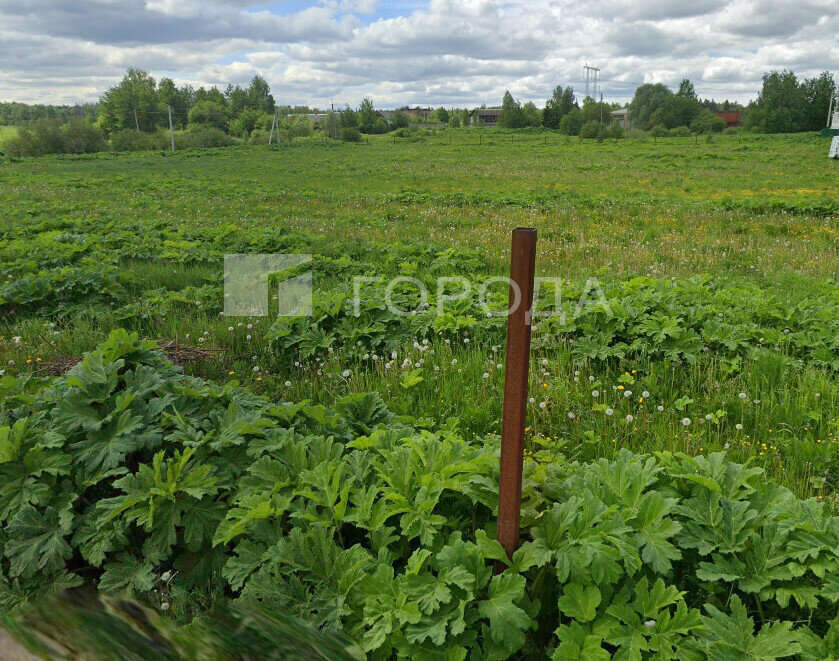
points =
(522, 271)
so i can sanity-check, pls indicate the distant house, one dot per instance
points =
(316, 118)
(487, 116)
(622, 115)
(425, 113)
(734, 118)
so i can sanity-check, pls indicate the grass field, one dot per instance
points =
(6, 132)
(743, 228)
(682, 443)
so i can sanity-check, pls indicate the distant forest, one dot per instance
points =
(19, 114)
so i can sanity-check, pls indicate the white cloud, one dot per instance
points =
(439, 52)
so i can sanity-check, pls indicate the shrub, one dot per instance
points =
(731, 130)
(400, 120)
(198, 137)
(42, 136)
(680, 132)
(658, 131)
(571, 122)
(261, 137)
(83, 138)
(616, 130)
(590, 130)
(131, 140)
(296, 126)
(128, 475)
(350, 134)
(248, 121)
(707, 121)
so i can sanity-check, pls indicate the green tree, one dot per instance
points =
(779, 107)
(676, 111)
(179, 99)
(442, 115)
(399, 119)
(596, 111)
(136, 92)
(591, 129)
(648, 98)
(707, 121)
(209, 113)
(687, 90)
(349, 118)
(259, 96)
(213, 94)
(511, 115)
(332, 124)
(552, 114)
(568, 100)
(237, 100)
(248, 120)
(531, 115)
(572, 122)
(816, 93)
(367, 116)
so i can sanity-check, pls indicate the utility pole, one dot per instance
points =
(273, 123)
(171, 129)
(601, 107)
(136, 123)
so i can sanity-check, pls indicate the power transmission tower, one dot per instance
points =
(591, 76)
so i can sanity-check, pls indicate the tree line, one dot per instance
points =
(17, 114)
(135, 114)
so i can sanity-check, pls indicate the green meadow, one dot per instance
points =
(98, 242)
(695, 311)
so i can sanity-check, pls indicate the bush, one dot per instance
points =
(400, 120)
(48, 136)
(680, 132)
(296, 126)
(248, 121)
(590, 130)
(571, 122)
(731, 130)
(128, 475)
(350, 134)
(83, 138)
(616, 130)
(43, 136)
(131, 140)
(261, 137)
(635, 134)
(707, 121)
(658, 131)
(198, 137)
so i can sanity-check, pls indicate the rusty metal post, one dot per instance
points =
(522, 271)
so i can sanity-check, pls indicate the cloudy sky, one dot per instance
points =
(435, 52)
